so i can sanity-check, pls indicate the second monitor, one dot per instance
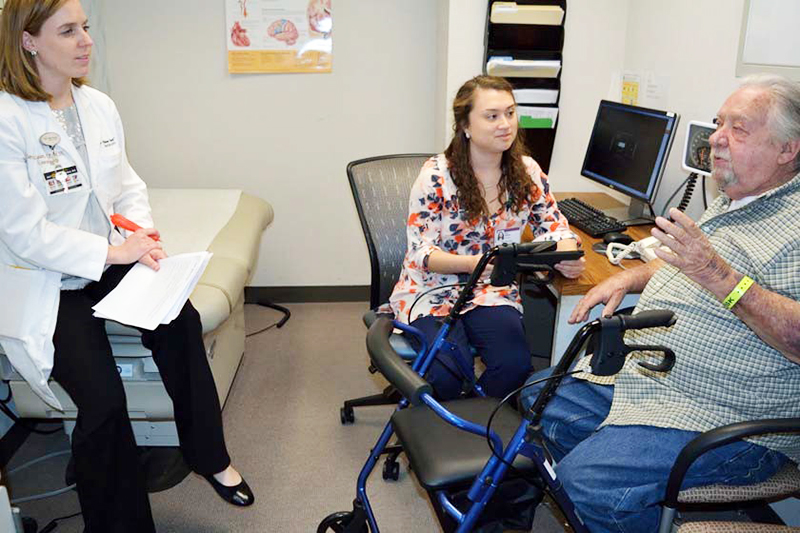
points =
(627, 152)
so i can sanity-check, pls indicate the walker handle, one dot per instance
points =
(391, 365)
(648, 319)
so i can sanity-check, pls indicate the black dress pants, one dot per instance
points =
(111, 486)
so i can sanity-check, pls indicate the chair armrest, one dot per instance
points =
(391, 365)
(719, 437)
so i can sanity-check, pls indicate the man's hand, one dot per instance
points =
(137, 245)
(691, 252)
(609, 292)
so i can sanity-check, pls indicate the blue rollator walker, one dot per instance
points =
(461, 463)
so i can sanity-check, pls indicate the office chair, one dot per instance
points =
(785, 483)
(380, 187)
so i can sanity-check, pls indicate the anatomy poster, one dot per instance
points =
(279, 35)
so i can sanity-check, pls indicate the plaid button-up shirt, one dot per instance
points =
(724, 372)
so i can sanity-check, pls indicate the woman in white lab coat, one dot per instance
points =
(64, 172)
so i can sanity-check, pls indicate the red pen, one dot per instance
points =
(122, 222)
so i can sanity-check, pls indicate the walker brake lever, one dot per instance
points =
(666, 363)
(609, 350)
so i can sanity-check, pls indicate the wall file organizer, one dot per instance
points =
(523, 43)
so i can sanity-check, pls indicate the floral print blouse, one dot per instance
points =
(435, 222)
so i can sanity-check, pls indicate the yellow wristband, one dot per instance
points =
(737, 292)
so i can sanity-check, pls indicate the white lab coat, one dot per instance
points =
(39, 235)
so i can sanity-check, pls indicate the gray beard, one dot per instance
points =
(724, 178)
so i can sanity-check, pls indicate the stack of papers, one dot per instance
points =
(537, 117)
(522, 68)
(511, 13)
(536, 96)
(146, 298)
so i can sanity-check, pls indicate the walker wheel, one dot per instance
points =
(337, 522)
(347, 415)
(391, 470)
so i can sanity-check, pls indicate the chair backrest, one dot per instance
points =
(380, 188)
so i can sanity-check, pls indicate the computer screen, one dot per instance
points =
(628, 148)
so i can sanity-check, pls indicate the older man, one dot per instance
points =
(733, 281)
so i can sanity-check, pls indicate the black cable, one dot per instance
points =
(687, 192)
(677, 190)
(705, 201)
(24, 424)
(428, 292)
(52, 524)
(263, 329)
(506, 400)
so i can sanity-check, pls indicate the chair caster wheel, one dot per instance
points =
(347, 415)
(391, 470)
(337, 522)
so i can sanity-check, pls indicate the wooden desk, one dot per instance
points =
(568, 292)
(597, 266)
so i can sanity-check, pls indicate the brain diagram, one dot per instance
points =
(319, 16)
(239, 35)
(283, 30)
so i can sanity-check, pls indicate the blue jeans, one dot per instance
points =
(617, 475)
(497, 335)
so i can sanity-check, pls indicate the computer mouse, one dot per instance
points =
(621, 238)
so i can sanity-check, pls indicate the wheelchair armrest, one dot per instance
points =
(391, 365)
(717, 437)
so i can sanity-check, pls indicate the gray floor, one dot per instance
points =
(283, 431)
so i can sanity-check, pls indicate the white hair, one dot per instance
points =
(784, 113)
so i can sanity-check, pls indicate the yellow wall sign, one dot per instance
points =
(279, 36)
(630, 89)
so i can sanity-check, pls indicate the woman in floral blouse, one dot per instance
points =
(482, 191)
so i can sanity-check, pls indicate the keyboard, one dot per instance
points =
(587, 218)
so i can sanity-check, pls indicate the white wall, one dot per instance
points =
(284, 137)
(594, 50)
(694, 45)
(466, 24)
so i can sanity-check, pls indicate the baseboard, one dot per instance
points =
(302, 294)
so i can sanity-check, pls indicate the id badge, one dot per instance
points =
(507, 236)
(62, 180)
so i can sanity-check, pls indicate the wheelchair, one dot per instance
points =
(456, 448)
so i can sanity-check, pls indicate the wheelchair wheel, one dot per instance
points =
(391, 470)
(347, 415)
(337, 522)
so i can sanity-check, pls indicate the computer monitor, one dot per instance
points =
(627, 152)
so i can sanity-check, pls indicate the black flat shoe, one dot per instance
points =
(240, 494)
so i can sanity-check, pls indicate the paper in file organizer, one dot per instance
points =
(536, 96)
(537, 117)
(511, 13)
(146, 298)
(523, 68)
